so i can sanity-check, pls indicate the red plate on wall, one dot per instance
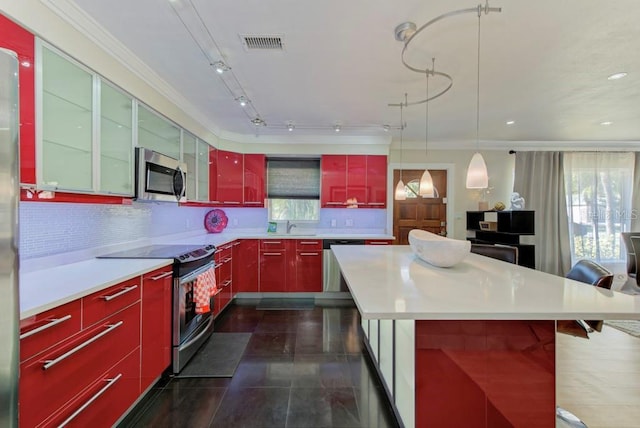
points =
(215, 221)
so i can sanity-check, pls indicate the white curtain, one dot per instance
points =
(599, 203)
(539, 179)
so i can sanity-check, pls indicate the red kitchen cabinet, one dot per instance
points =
(98, 306)
(157, 287)
(224, 278)
(41, 331)
(213, 175)
(356, 172)
(22, 42)
(308, 266)
(277, 258)
(333, 187)
(245, 266)
(354, 181)
(254, 180)
(106, 399)
(230, 178)
(50, 381)
(377, 181)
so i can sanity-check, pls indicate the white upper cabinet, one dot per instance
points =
(203, 171)
(189, 156)
(116, 141)
(157, 133)
(66, 111)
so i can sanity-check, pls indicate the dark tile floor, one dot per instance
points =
(301, 368)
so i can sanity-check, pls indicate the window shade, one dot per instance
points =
(293, 178)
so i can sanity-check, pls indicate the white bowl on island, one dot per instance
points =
(438, 250)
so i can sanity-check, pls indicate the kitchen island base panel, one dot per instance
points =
(489, 374)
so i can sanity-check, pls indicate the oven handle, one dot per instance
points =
(193, 275)
(202, 333)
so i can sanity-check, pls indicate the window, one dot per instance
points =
(598, 187)
(293, 189)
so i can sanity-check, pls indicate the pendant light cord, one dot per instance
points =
(401, 131)
(426, 121)
(478, 87)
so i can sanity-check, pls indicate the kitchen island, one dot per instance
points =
(471, 345)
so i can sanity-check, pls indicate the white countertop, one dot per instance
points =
(47, 288)
(389, 282)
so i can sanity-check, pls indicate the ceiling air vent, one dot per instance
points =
(262, 42)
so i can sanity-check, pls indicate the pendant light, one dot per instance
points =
(401, 193)
(477, 176)
(426, 181)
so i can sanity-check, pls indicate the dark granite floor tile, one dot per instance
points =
(323, 407)
(285, 326)
(321, 370)
(271, 344)
(199, 382)
(263, 371)
(318, 339)
(182, 407)
(352, 342)
(252, 408)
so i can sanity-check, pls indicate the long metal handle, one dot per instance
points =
(193, 275)
(119, 293)
(378, 243)
(335, 203)
(230, 202)
(50, 363)
(48, 325)
(226, 283)
(309, 254)
(271, 254)
(163, 275)
(309, 242)
(375, 203)
(252, 202)
(110, 383)
(272, 242)
(202, 333)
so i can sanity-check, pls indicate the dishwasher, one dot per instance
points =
(332, 280)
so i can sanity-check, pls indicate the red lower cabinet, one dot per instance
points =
(105, 400)
(309, 271)
(156, 324)
(54, 378)
(486, 374)
(245, 266)
(273, 268)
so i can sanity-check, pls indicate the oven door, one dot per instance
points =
(190, 330)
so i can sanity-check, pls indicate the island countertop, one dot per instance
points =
(390, 282)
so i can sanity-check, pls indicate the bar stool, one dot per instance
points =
(591, 273)
(501, 252)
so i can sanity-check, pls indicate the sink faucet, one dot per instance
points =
(290, 226)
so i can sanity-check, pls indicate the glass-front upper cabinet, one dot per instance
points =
(65, 158)
(189, 156)
(157, 133)
(116, 141)
(203, 171)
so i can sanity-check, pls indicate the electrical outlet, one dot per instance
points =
(348, 222)
(334, 222)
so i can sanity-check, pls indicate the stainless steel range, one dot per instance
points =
(190, 330)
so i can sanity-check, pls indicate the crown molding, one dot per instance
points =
(520, 145)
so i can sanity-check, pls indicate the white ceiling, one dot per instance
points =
(544, 64)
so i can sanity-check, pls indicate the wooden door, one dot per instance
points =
(416, 212)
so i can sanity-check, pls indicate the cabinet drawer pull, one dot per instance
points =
(119, 293)
(230, 202)
(50, 363)
(272, 242)
(162, 275)
(235, 244)
(375, 203)
(309, 242)
(48, 325)
(226, 283)
(378, 243)
(309, 254)
(253, 202)
(110, 383)
(271, 254)
(335, 203)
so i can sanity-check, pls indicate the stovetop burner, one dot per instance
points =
(180, 253)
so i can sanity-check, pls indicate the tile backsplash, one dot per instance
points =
(52, 228)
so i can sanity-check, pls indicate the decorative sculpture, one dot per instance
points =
(517, 202)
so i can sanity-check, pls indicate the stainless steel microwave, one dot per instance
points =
(159, 177)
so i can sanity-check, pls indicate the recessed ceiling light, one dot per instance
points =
(606, 123)
(386, 128)
(336, 128)
(242, 100)
(258, 122)
(510, 122)
(290, 127)
(617, 76)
